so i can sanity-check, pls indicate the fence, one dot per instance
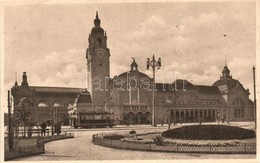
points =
(245, 148)
(38, 148)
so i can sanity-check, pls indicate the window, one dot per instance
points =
(238, 108)
(43, 104)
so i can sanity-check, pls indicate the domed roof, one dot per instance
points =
(133, 73)
(226, 81)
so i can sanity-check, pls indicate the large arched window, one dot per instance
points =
(58, 104)
(238, 108)
(43, 104)
(25, 102)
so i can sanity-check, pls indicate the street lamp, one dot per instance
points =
(153, 63)
(10, 129)
(218, 114)
(254, 95)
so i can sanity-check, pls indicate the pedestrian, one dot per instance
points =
(223, 120)
(43, 126)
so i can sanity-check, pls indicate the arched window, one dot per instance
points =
(58, 104)
(43, 104)
(238, 108)
(25, 102)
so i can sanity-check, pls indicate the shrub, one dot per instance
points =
(209, 132)
(114, 136)
(158, 140)
(133, 132)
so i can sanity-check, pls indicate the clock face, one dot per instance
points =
(100, 53)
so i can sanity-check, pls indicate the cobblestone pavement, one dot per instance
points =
(81, 148)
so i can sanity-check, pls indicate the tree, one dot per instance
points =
(22, 115)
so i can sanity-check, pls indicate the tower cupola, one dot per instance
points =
(134, 65)
(24, 82)
(226, 72)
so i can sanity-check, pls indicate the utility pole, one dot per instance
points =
(153, 63)
(254, 96)
(10, 129)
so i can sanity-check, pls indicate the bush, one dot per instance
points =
(209, 132)
(158, 140)
(114, 136)
(133, 132)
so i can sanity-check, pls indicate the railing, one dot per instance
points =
(243, 148)
(38, 148)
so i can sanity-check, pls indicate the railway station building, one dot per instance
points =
(128, 96)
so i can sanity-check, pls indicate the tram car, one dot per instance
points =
(82, 114)
(93, 120)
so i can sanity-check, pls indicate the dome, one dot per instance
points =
(226, 81)
(130, 77)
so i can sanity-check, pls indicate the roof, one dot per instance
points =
(56, 89)
(186, 85)
(179, 84)
(226, 81)
(132, 73)
(202, 89)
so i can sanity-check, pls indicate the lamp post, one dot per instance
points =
(153, 63)
(218, 114)
(254, 95)
(10, 130)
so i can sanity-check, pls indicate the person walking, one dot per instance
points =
(43, 126)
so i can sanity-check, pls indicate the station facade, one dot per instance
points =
(129, 95)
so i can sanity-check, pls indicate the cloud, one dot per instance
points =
(195, 49)
(63, 69)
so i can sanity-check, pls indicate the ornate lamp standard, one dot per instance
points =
(153, 63)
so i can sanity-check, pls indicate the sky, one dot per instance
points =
(193, 39)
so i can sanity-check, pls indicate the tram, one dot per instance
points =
(93, 120)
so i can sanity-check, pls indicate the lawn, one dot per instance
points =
(21, 142)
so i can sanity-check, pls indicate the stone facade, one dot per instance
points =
(43, 103)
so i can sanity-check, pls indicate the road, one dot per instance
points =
(81, 148)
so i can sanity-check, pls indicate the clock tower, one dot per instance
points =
(98, 65)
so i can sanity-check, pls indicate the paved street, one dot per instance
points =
(81, 148)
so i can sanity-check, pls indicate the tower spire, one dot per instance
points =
(16, 84)
(225, 60)
(97, 20)
(15, 76)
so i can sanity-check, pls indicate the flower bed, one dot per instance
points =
(209, 132)
(148, 143)
(114, 136)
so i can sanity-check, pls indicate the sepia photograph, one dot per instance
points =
(129, 80)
